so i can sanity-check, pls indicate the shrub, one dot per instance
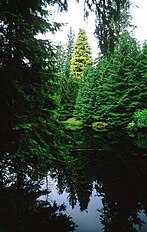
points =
(140, 119)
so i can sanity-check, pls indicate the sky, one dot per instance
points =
(74, 18)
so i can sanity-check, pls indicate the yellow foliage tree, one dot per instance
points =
(81, 56)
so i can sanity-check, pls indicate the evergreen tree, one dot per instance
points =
(81, 56)
(67, 84)
(127, 88)
(28, 82)
(86, 96)
(112, 17)
(117, 87)
(69, 51)
(60, 61)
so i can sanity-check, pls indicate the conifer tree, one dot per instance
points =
(28, 84)
(69, 51)
(67, 84)
(126, 88)
(81, 56)
(112, 17)
(86, 96)
(116, 88)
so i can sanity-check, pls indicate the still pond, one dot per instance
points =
(102, 187)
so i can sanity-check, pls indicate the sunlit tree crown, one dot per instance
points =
(81, 55)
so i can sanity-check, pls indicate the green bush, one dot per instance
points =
(132, 125)
(140, 119)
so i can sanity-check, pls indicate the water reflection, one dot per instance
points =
(114, 177)
(21, 212)
(100, 189)
(20, 207)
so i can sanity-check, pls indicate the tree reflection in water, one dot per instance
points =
(20, 209)
(115, 169)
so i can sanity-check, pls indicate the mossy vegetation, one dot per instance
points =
(73, 124)
(100, 126)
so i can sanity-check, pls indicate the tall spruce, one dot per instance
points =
(126, 88)
(28, 82)
(69, 51)
(86, 96)
(67, 84)
(81, 56)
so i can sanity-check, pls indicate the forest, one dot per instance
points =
(47, 90)
(42, 85)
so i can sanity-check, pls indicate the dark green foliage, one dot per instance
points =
(139, 120)
(117, 87)
(86, 97)
(111, 18)
(128, 90)
(68, 85)
(70, 90)
(28, 85)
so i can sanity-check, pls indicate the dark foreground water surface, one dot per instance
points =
(102, 187)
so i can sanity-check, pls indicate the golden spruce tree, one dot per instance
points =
(81, 56)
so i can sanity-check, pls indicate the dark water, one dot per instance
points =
(102, 187)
